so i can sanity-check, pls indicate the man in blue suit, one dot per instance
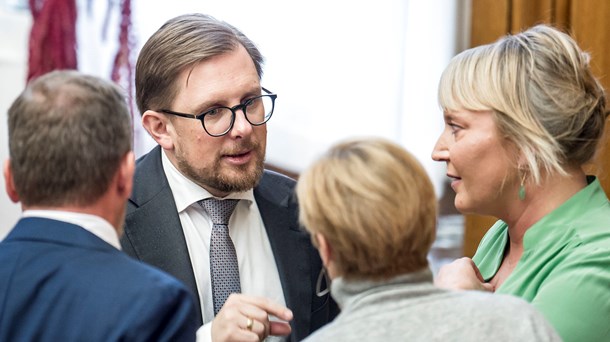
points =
(62, 274)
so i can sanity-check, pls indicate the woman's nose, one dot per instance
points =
(440, 152)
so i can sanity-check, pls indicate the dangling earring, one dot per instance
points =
(522, 188)
(319, 291)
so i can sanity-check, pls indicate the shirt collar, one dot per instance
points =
(91, 223)
(583, 201)
(186, 192)
(348, 292)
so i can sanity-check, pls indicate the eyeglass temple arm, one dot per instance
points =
(190, 116)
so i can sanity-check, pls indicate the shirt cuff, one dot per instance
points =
(204, 333)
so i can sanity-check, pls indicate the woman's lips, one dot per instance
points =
(455, 182)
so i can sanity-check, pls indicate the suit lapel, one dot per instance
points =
(153, 225)
(290, 249)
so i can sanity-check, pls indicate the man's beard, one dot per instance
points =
(215, 177)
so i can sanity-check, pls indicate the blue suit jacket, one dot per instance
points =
(59, 282)
(153, 234)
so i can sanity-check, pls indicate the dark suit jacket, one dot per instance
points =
(59, 282)
(153, 234)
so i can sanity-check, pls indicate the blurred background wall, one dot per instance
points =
(341, 68)
(15, 23)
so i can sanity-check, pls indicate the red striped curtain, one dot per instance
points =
(53, 42)
(53, 36)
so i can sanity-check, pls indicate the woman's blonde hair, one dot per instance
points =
(374, 204)
(539, 86)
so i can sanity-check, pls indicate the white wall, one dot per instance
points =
(14, 31)
(341, 68)
(435, 30)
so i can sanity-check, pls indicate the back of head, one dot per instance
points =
(540, 87)
(67, 135)
(375, 205)
(179, 44)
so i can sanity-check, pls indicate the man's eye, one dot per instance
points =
(213, 112)
(253, 102)
(248, 102)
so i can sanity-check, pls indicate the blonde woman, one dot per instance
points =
(371, 212)
(522, 117)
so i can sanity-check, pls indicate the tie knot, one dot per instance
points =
(219, 210)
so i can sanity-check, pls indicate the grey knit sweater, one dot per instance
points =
(410, 308)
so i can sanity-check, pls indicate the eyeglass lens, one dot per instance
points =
(257, 111)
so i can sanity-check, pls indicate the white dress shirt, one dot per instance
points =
(91, 223)
(257, 269)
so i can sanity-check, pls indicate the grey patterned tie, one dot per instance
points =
(224, 270)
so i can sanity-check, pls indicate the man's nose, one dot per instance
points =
(241, 126)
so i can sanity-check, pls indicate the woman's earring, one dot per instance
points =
(319, 291)
(522, 188)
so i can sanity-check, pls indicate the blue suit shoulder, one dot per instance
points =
(62, 283)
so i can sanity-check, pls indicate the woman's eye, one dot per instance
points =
(454, 128)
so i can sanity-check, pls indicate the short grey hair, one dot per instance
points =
(68, 133)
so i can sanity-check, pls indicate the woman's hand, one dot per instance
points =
(461, 274)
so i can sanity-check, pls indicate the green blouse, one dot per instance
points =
(565, 267)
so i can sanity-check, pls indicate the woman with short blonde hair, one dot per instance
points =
(371, 211)
(523, 115)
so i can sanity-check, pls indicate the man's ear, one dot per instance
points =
(158, 126)
(9, 183)
(125, 175)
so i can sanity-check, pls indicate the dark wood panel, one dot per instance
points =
(527, 13)
(561, 14)
(490, 20)
(591, 28)
(475, 226)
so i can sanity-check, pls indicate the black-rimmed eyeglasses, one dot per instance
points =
(219, 121)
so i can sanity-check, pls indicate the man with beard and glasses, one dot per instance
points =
(198, 87)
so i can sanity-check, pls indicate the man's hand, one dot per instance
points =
(246, 318)
(461, 274)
